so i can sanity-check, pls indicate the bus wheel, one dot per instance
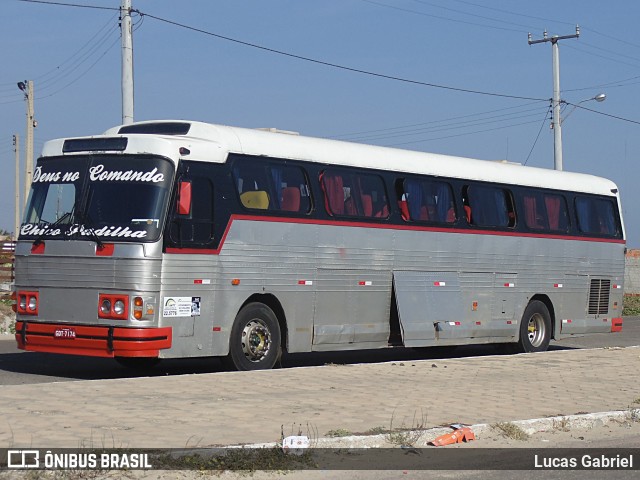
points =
(255, 339)
(535, 328)
(138, 363)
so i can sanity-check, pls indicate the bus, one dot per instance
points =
(178, 239)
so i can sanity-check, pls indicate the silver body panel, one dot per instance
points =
(335, 284)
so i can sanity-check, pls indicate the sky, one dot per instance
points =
(455, 77)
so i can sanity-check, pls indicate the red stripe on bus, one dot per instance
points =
(355, 224)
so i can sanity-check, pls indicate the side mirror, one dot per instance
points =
(184, 198)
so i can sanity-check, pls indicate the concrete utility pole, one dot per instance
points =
(127, 62)
(556, 101)
(16, 149)
(27, 88)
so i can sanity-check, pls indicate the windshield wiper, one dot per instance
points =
(87, 226)
(50, 226)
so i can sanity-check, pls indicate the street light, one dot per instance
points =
(601, 97)
(557, 126)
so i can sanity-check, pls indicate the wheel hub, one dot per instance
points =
(256, 340)
(536, 330)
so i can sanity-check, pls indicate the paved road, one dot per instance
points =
(181, 410)
(18, 367)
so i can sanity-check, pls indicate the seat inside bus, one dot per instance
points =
(258, 199)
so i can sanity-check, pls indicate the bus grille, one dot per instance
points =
(599, 296)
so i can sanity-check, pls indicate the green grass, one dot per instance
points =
(631, 306)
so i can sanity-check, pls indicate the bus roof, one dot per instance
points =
(210, 142)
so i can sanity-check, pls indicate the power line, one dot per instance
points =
(602, 56)
(111, 22)
(492, 19)
(549, 110)
(86, 56)
(517, 24)
(299, 57)
(439, 17)
(65, 69)
(614, 84)
(513, 13)
(321, 62)
(45, 2)
(459, 134)
(443, 126)
(602, 113)
(611, 37)
(347, 135)
(610, 52)
(85, 72)
(333, 65)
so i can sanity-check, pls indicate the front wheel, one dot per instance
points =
(535, 328)
(255, 339)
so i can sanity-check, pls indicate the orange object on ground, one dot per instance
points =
(459, 435)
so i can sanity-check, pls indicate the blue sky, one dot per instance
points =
(73, 56)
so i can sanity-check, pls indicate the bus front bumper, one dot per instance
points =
(93, 341)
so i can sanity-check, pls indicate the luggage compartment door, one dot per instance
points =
(425, 299)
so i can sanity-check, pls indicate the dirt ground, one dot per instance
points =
(614, 434)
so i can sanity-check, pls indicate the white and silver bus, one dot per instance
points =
(174, 239)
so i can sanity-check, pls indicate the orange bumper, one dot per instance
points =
(616, 324)
(93, 341)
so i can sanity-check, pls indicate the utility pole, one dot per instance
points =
(27, 88)
(16, 149)
(127, 62)
(556, 101)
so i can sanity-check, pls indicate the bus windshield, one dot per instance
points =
(112, 198)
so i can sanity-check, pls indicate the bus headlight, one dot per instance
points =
(118, 307)
(27, 303)
(105, 306)
(22, 304)
(33, 304)
(115, 306)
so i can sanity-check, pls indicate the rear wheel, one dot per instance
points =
(255, 339)
(535, 328)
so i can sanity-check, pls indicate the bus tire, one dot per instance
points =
(535, 328)
(254, 343)
(138, 363)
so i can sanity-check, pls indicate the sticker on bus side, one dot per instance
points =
(181, 307)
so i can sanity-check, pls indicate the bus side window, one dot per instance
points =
(557, 213)
(596, 216)
(489, 206)
(333, 189)
(252, 184)
(545, 211)
(426, 200)
(354, 194)
(195, 229)
(373, 196)
(291, 187)
(272, 185)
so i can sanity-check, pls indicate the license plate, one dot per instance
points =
(64, 333)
